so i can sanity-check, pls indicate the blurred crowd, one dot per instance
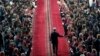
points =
(81, 22)
(15, 27)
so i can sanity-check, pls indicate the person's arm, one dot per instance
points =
(60, 35)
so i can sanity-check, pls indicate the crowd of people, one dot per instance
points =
(15, 27)
(81, 22)
(81, 25)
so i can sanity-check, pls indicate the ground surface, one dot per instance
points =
(47, 16)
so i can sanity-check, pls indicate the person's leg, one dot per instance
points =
(57, 49)
(54, 48)
(97, 53)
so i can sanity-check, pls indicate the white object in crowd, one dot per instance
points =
(33, 3)
(11, 3)
(90, 3)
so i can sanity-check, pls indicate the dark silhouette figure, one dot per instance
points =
(65, 28)
(54, 40)
(97, 44)
(1, 41)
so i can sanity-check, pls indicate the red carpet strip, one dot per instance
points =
(39, 32)
(63, 47)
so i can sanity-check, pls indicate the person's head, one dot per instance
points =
(88, 54)
(74, 38)
(0, 2)
(23, 54)
(93, 50)
(90, 33)
(80, 34)
(2, 53)
(16, 50)
(54, 29)
(98, 36)
(82, 48)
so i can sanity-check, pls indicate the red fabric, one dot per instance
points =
(39, 30)
(63, 47)
(38, 40)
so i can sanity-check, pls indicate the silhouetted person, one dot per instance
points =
(65, 28)
(1, 41)
(54, 40)
(97, 44)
